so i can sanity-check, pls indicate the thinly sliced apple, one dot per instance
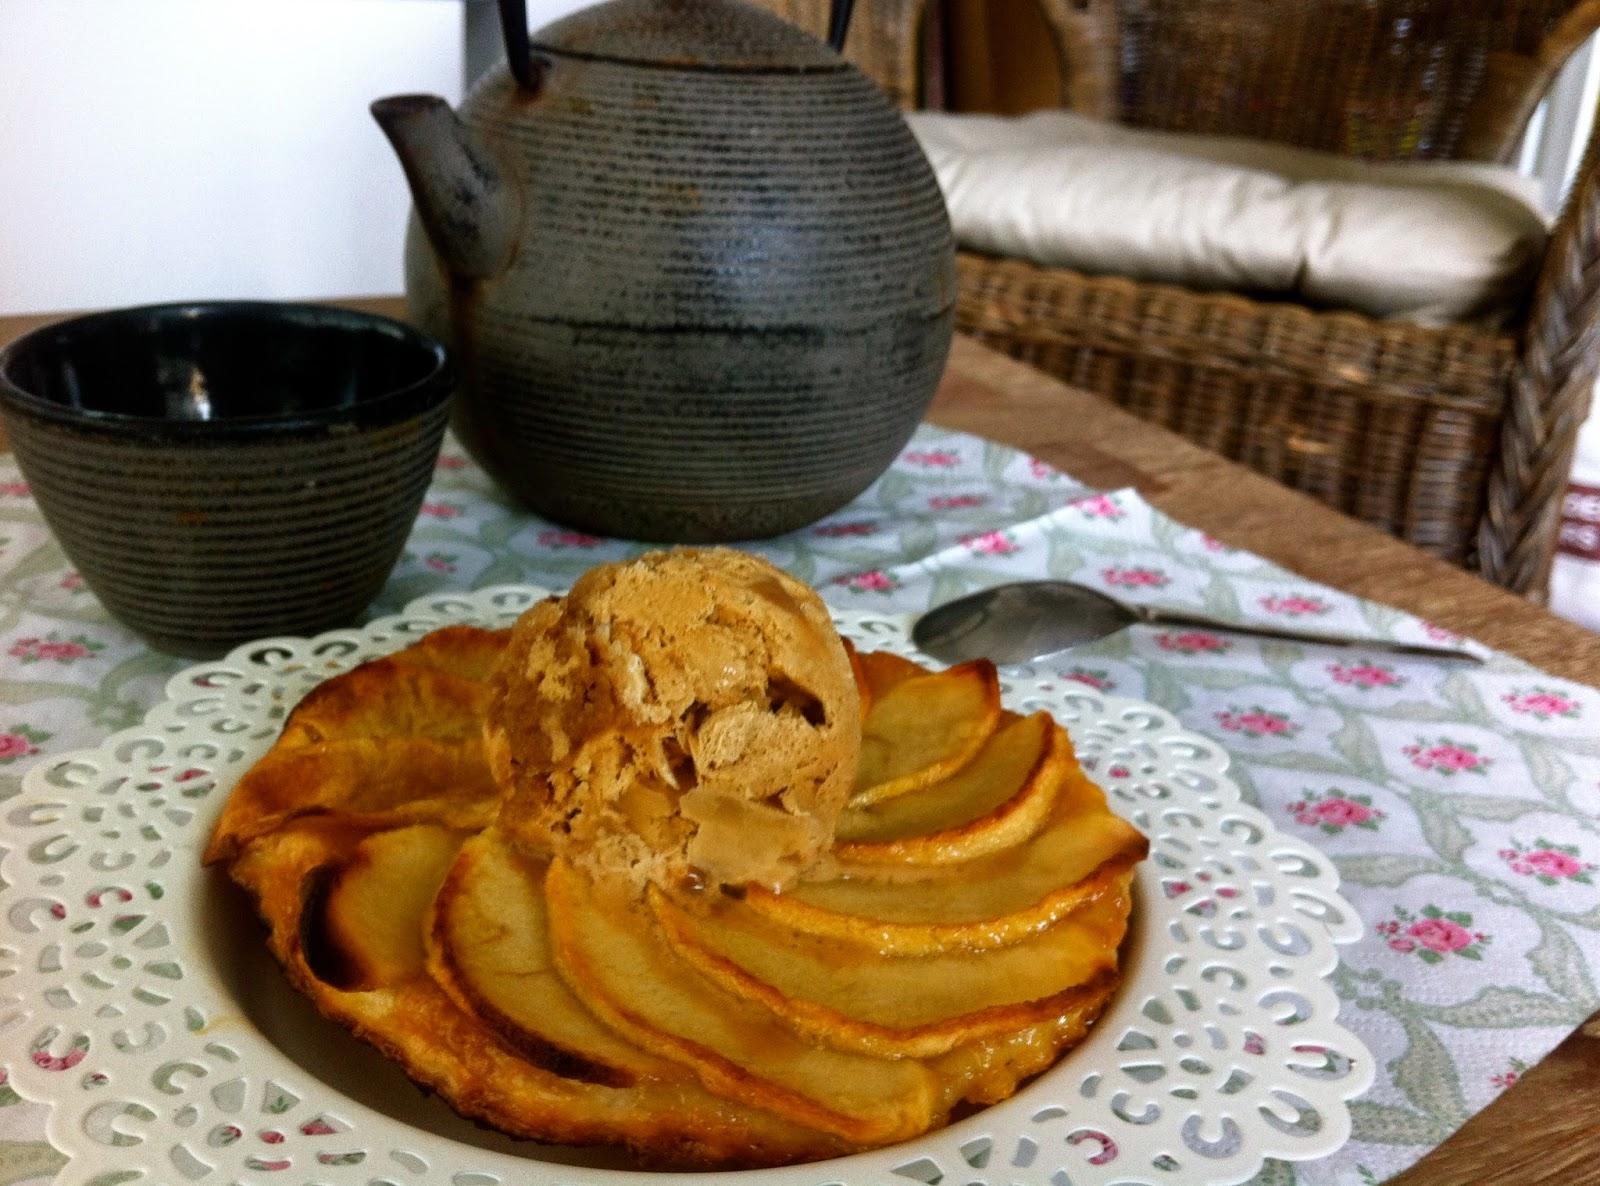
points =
(881, 671)
(956, 911)
(611, 956)
(398, 780)
(385, 698)
(1000, 798)
(852, 998)
(991, 901)
(924, 729)
(991, 1070)
(489, 949)
(668, 1125)
(373, 912)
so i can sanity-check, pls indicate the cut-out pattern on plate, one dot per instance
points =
(1221, 1050)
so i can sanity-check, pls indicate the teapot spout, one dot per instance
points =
(464, 198)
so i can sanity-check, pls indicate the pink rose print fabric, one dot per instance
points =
(876, 581)
(1544, 704)
(1097, 678)
(1443, 756)
(1333, 811)
(1434, 934)
(1101, 506)
(1193, 642)
(1548, 862)
(992, 543)
(1366, 675)
(932, 458)
(1256, 722)
(20, 741)
(1515, 1069)
(54, 648)
(1134, 578)
(844, 530)
(47, 1055)
(1294, 605)
(956, 502)
(558, 539)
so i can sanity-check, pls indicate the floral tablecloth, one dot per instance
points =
(1459, 804)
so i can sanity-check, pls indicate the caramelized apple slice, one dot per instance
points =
(997, 800)
(398, 780)
(965, 908)
(489, 949)
(609, 952)
(372, 914)
(668, 1125)
(879, 672)
(852, 998)
(925, 728)
(991, 1070)
(385, 698)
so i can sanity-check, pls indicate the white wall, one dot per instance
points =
(167, 149)
(157, 150)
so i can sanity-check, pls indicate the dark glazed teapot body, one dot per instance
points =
(699, 278)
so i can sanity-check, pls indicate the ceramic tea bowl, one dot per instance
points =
(227, 470)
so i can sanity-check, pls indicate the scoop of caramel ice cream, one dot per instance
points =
(686, 715)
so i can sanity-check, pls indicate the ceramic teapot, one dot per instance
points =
(696, 271)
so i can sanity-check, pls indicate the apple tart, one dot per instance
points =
(960, 933)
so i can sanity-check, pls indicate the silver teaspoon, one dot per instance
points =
(1031, 619)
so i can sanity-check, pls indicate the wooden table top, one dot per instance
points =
(1545, 1131)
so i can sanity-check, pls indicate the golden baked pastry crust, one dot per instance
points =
(284, 855)
(377, 803)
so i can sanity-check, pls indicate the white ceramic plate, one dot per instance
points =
(173, 1051)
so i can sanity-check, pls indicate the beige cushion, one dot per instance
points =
(1429, 241)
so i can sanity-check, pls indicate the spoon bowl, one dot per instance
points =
(1031, 619)
(1016, 623)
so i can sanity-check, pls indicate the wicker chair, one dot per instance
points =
(1457, 439)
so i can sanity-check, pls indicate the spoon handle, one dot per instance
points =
(1162, 617)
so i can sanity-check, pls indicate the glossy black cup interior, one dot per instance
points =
(228, 471)
(225, 361)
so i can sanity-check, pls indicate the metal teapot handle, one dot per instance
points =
(839, 24)
(519, 52)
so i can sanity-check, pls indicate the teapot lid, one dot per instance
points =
(692, 34)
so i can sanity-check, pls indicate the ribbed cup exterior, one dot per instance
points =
(200, 545)
(733, 295)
